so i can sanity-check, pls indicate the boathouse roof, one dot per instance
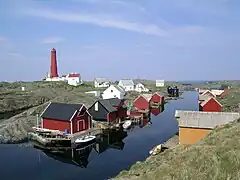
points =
(110, 104)
(205, 120)
(203, 97)
(60, 111)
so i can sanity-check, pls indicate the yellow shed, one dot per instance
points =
(195, 125)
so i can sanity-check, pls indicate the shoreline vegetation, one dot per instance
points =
(215, 157)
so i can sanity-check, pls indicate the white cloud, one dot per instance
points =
(100, 20)
(52, 40)
(122, 3)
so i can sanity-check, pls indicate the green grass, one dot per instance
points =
(231, 102)
(37, 93)
(217, 157)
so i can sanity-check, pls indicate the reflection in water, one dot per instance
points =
(157, 111)
(73, 156)
(79, 157)
(113, 139)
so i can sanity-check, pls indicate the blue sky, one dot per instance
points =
(154, 39)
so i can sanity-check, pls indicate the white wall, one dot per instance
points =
(160, 84)
(101, 85)
(112, 92)
(74, 81)
(141, 88)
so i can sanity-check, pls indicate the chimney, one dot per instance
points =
(53, 68)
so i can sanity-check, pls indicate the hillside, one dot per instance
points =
(216, 157)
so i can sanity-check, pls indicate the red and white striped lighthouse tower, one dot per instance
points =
(53, 67)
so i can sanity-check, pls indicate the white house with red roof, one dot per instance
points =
(74, 79)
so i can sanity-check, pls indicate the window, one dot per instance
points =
(114, 96)
(111, 90)
(96, 106)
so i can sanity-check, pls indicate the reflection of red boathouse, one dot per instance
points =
(145, 121)
(157, 111)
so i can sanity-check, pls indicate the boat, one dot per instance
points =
(127, 124)
(156, 150)
(85, 140)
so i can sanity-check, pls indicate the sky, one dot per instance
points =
(154, 39)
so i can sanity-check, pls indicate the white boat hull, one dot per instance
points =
(85, 139)
(127, 124)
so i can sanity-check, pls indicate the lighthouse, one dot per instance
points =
(53, 66)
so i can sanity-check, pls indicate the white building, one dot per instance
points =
(113, 91)
(101, 83)
(95, 93)
(159, 83)
(127, 84)
(141, 88)
(74, 79)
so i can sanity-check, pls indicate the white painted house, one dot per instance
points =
(101, 83)
(126, 84)
(74, 79)
(113, 91)
(160, 83)
(141, 88)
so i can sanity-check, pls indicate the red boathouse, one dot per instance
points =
(142, 102)
(157, 98)
(210, 105)
(69, 118)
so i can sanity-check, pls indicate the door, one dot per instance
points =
(80, 125)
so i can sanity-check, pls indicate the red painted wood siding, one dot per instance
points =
(211, 106)
(122, 113)
(112, 116)
(54, 124)
(156, 98)
(141, 103)
(226, 92)
(81, 122)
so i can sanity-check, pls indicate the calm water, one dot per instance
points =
(32, 164)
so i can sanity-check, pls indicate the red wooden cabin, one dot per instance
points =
(210, 105)
(142, 102)
(157, 98)
(70, 118)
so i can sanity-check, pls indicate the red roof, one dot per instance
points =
(74, 75)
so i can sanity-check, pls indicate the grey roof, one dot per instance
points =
(110, 104)
(61, 111)
(203, 97)
(119, 88)
(102, 80)
(208, 120)
(127, 82)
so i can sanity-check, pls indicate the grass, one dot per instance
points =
(37, 93)
(217, 157)
(231, 102)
